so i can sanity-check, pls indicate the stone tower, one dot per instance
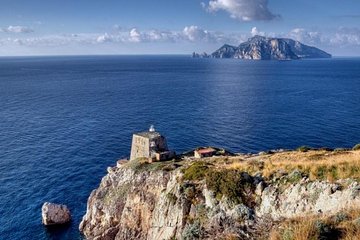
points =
(150, 145)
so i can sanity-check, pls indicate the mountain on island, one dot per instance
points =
(265, 48)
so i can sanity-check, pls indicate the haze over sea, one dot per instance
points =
(63, 120)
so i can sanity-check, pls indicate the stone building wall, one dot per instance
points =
(140, 147)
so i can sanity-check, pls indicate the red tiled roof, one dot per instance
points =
(206, 150)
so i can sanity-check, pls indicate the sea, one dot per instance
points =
(64, 120)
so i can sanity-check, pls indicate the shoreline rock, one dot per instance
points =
(55, 214)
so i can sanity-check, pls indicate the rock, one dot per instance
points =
(202, 55)
(210, 200)
(53, 214)
(259, 188)
(242, 212)
(306, 198)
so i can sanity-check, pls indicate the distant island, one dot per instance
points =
(265, 48)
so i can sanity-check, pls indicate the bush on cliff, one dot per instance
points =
(233, 184)
(356, 147)
(303, 149)
(196, 171)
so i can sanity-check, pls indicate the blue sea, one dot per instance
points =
(63, 120)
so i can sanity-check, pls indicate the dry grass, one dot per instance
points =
(317, 164)
(342, 226)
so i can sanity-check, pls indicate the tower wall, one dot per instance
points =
(140, 147)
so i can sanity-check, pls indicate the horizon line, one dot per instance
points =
(135, 54)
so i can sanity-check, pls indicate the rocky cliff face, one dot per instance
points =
(263, 48)
(166, 201)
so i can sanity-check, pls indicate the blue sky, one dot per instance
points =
(53, 27)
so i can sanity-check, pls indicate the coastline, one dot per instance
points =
(235, 196)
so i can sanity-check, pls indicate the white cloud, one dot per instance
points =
(103, 38)
(194, 33)
(135, 36)
(305, 36)
(255, 31)
(346, 36)
(341, 37)
(17, 29)
(243, 10)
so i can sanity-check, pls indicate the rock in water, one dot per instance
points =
(53, 214)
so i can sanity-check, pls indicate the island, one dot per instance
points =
(211, 193)
(265, 48)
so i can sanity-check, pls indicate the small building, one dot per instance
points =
(204, 152)
(151, 145)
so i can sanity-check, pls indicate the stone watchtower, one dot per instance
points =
(150, 145)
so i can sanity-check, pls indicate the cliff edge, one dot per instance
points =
(225, 197)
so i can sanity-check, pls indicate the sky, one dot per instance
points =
(90, 27)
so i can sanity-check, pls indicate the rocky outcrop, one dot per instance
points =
(200, 55)
(159, 204)
(53, 214)
(307, 198)
(264, 48)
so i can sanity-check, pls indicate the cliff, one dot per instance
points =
(264, 48)
(225, 197)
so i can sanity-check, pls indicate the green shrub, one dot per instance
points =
(321, 172)
(356, 147)
(340, 149)
(192, 231)
(303, 149)
(230, 183)
(172, 198)
(340, 217)
(234, 184)
(196, 171)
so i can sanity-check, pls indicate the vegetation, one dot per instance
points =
(229, 178)
(172, 198)
(356, 147)
(192, 231)
(315, 164)
(196, 171)
(233, 184)
(342, 226)
(142, 164)
(116, 193)
(341, 149)
(303, 149)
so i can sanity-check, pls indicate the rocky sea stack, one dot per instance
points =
(264, 48)
(246, 196)
(55, 214)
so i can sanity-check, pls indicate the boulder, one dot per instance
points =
(53, 214)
